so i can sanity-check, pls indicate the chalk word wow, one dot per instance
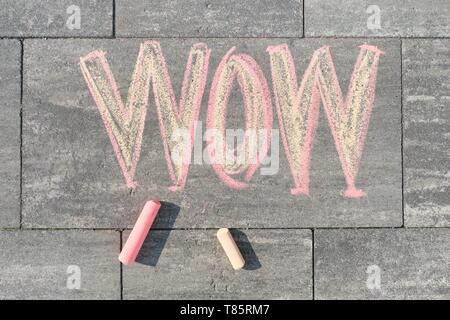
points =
(297, 107)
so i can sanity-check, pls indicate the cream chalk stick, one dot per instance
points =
(231, 249)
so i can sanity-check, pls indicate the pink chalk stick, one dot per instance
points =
(137, 236)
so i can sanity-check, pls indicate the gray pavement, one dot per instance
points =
(65, 208)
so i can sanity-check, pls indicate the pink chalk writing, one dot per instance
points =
(297, 107)
(125, 126)
(298, 110)
(258, 114)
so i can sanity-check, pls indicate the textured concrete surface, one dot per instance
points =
(358, 18)
(426, 101)
(210, 18)
(411, 264)
(64, 202)
(10, 133)
(42, 264)
(49, 18)
(69, 161)
(192, 265)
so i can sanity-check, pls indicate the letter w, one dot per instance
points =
(125, 125)
(298, 110)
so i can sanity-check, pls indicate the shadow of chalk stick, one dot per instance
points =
(156, 239)
(251, 259)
